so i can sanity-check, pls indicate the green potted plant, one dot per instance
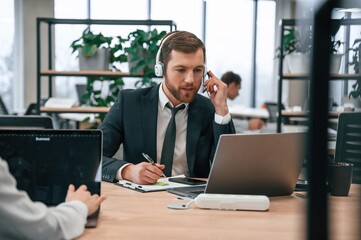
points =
(336, 56)
(94, 53)
(110, 50)
(142, 53)
(292, 42)
(117, 52)
(297, 45)
(356, 63)
(297, 48)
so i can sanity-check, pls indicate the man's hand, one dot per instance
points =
(255, 124)
(82, 194)
(218, 93)
(143, 173)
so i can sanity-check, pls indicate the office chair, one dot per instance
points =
(3, 110)
(32, 109)
(24, 122)
(348, 142)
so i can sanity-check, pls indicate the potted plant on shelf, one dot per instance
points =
(142, 53)
(97, 52)
(297, 46)
(336, 56)
(93, 49)
(356, 63)
(117, 52)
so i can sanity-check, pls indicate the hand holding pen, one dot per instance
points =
(150, 160)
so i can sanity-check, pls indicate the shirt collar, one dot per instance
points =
(163, 99)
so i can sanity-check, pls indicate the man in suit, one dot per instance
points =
(139, 118)
(233, 81)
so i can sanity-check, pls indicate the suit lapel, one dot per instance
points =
(193, 132)
(149, 110)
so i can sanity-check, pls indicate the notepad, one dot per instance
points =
(60, 102)
(161, 185)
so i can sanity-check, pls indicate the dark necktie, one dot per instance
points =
(169, 142)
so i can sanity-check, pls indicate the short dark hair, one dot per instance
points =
(181, 41)
(230, 77)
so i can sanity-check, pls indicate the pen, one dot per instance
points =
(149, 159)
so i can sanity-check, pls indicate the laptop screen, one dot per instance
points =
(254, 164)
(45, 162)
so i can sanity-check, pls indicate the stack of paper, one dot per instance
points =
(161, 185)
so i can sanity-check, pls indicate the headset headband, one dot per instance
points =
(159, 66)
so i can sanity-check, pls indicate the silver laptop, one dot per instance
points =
(45, 162)
(258, 164)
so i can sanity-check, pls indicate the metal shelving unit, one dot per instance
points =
(290, 77)
(50, 72)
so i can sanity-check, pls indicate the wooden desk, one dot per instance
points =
(287, 113)
(127, 214)
(242, 112)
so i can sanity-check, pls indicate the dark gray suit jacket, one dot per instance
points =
(132, 121)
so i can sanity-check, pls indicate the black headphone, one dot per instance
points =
(159, 66)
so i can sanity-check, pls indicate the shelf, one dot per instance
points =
(88, 73)
(285, 23)
(300, 76)
(75, 110)
(45, 67)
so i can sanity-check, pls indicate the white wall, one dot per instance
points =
(31, 10)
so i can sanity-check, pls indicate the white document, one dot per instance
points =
(161, 185)
(60, 102)
(244, 111)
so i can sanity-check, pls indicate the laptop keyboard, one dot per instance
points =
(197, 192)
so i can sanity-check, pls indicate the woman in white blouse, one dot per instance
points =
(21, 218)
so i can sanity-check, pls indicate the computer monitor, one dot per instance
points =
(45, 162)
(25, 122)
(3, 110)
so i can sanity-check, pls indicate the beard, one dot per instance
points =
(177, 93)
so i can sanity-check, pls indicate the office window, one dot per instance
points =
(187, 14)
(228, 35)
(64, 35)
(7, 28)
(119, 10)
(265, 51)
(229, 41)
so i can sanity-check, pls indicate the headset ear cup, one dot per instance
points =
(158, 69)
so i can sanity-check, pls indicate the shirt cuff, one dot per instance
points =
(119, 172)
(223, 120)
(80, 206)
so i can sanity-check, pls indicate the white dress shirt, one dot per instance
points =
(21, 218)
(180, 164)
